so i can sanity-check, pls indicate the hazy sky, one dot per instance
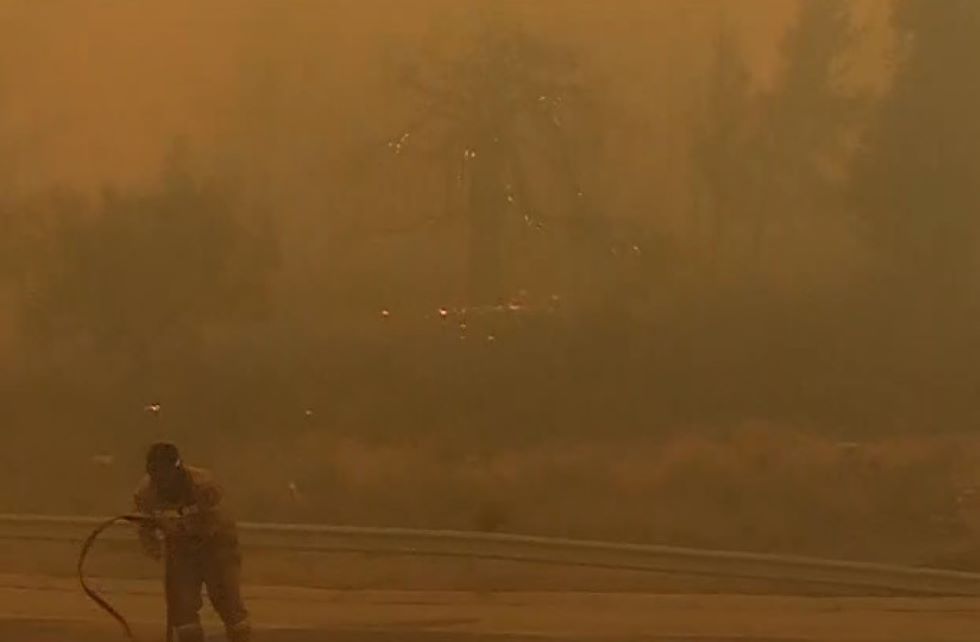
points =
(95, 91)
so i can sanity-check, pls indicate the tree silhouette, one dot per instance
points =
(764, 159)
(493, 120)
(146, 270)
(808, 121)
(721, 145)
(916, 180)
(808, 116)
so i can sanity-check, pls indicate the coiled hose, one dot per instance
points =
(132, 518)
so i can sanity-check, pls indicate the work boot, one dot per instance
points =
(241, 632)
(189, 633)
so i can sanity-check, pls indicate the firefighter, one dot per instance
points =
(199, 539)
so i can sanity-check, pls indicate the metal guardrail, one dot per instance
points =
(542, 550)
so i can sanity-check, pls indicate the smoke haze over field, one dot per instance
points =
(487, 225)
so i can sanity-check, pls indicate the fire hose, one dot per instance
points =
(140, 520)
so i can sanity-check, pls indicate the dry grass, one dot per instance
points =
(759, 488)
(755, 488)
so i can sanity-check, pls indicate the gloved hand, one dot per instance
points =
(171, 527)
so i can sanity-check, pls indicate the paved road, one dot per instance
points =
(34, 631)
(49, 632)
(39, 609)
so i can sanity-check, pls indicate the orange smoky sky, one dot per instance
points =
(95, 92)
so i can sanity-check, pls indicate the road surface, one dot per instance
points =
(42, 609)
